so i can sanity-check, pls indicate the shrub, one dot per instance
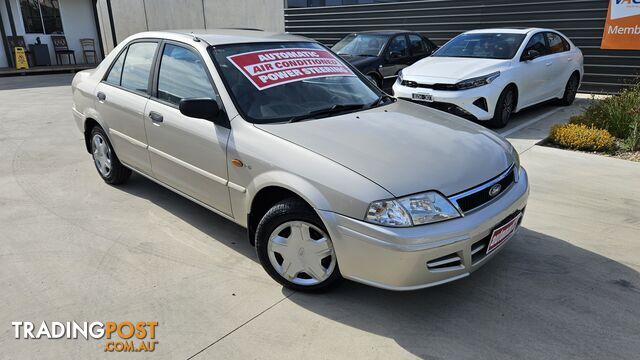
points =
(619, 114)
(582, 137)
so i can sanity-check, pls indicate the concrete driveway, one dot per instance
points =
(74, 248)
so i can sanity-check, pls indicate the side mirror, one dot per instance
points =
(531, 54)
(203, 108)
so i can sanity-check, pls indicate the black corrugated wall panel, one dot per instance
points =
(606, 71)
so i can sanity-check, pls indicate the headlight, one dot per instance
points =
(411, 210)
(516, 160)
(478, 81)
(400, 77)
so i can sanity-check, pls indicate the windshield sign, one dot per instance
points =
(482, 45)
(267, 68)
(291, 81)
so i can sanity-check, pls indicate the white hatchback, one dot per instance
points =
(490, 74)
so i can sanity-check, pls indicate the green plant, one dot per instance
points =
(619, 114)
(582, 137)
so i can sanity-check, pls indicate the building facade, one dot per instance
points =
(30, 20)
(606, 71)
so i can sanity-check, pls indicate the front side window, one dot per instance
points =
(538, 44)
(290, 81)
(398, 47)
(361, 45)
(41, 16)
(137, 66)
(556, 43)
(482, 45)
(182, 75)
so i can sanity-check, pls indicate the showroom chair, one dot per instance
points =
(61, 48)
(89, 48)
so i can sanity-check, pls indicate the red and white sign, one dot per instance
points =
(503, 233)
(268, 68)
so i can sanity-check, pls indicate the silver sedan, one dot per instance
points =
(332, 178)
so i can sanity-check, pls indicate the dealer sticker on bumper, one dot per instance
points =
(422, 97)
(503, 233)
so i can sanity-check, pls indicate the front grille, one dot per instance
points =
(442, 87)
(474, 198)
(446, 107)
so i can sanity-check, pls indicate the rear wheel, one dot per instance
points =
(504, 109)
(570, 91)
(295, 249)
(106, 160)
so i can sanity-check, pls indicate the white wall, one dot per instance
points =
(77, 22)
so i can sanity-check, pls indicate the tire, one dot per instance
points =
(105, 159)
(570, 91)
(298, 263)
(504, 109)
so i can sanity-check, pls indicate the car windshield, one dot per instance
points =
(292, 81)
(361, 45)
(482, 45)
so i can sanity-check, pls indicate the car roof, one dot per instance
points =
(507, 30)
(223, 36)
(384, 32)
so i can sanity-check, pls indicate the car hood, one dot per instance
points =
(450, 70)
(404, 147)
(360, 62)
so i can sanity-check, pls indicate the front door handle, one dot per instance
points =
(548, 64)
(156, 117)
(101, 96)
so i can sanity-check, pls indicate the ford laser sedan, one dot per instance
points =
(332, 178)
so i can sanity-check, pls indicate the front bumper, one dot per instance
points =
(463, 99)
(396, 258)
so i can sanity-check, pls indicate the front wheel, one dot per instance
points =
(295, 249)
(504, 109)
(570, 91)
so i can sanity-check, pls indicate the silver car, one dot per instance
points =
(332, 178)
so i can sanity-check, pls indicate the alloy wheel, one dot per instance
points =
(507, 107)
(301, 253)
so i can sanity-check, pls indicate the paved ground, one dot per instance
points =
(73, 248)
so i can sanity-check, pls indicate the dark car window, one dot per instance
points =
(482, 45)
(361, 45)
(116, 70)
(418, 46)
(137, 66)
(182, 75)
(398, 47)
(537, 43)
(556, 43)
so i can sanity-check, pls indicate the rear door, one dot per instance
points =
(534, 75)
(121, 99)
(418, 48)
(562, 68)
(187, 154)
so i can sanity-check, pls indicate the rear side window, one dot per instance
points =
(182, 75)
(537, 43)
(116, 70)
(137, 66)
(556, 43)
(417, 45)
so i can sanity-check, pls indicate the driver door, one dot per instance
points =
(396, 58)
(188, 154)
(535, 74)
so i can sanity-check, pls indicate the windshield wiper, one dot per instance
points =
(381, 100)
(335, 109)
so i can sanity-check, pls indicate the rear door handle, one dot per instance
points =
(156, 117)
(101, 96)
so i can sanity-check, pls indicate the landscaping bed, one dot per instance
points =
(609, 126)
